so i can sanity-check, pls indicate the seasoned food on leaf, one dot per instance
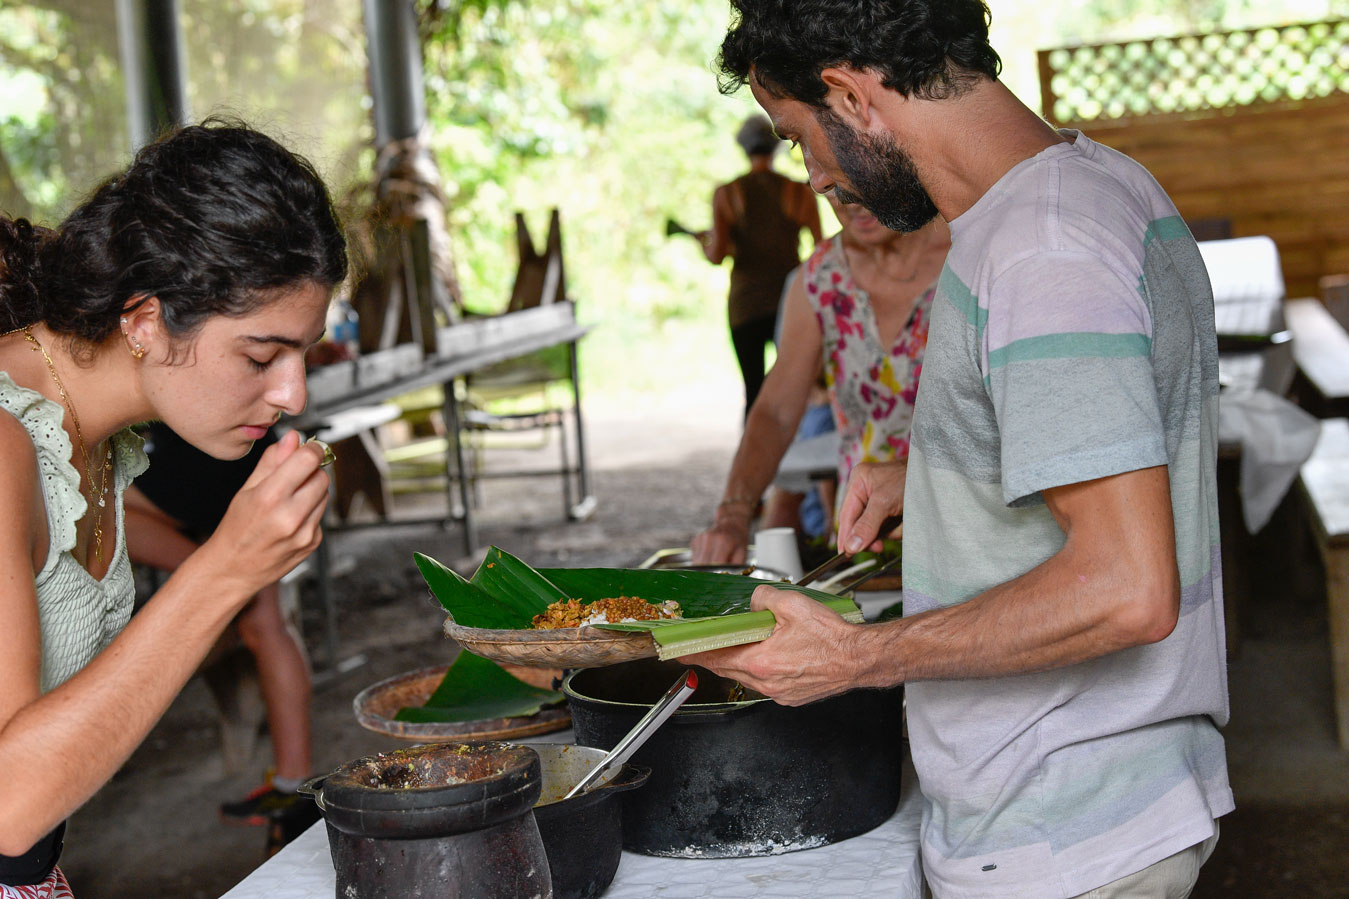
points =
(574, 613)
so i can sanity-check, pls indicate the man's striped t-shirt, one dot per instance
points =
(1071, 339)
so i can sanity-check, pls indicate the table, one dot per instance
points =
(883, 862)
(462, 349)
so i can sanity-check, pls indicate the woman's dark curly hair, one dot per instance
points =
(930, 49)
(211, 219)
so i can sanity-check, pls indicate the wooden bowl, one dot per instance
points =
(567, 647)
(376, 705)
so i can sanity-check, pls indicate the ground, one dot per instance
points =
(659, 465)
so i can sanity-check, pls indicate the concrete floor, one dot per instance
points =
(153, 831)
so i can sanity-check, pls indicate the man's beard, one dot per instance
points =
(883, 176)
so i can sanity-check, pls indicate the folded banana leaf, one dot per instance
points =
(681, 637)
(506, 593)
(476, 689)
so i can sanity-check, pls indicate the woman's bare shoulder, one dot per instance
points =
(23, 518)
(14, 438)
(19, 473)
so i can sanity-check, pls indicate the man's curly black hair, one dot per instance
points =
(929, 49)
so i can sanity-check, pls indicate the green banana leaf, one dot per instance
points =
(476, 689)
(506, 593)
(503, 600)
(682, 636)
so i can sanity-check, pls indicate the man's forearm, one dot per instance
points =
(1057, 614)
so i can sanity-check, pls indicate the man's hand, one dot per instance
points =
(875, 499)
(804, 660)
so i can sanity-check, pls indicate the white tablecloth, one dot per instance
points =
(881, 863)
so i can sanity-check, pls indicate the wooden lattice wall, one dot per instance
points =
(1251, 127)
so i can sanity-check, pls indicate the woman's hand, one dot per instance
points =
(725, 543)
(875, 499)
(274, 521)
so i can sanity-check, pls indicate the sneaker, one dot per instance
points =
(267, 803)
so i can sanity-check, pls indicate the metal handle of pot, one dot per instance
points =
(314, 787)
(672, 700)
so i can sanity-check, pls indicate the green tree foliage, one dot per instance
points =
(606, 110)
(611, 113)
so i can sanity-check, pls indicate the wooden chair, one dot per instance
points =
(517, 401)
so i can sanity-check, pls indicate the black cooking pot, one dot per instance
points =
(741, 775)
(583, 835)
(449, 820)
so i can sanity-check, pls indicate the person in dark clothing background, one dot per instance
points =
(757, 221)
(171, 510)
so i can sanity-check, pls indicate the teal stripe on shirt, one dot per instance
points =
(1071, 345)
(963, 299)
(1172, 227)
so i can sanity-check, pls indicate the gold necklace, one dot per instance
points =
(94, 506)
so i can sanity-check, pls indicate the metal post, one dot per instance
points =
(586, 505)
(399, 93)
(152, 66)
(456, 458)
(395, 70)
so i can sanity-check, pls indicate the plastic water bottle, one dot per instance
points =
(346, 329)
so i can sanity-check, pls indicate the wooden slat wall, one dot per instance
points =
(1275, 169)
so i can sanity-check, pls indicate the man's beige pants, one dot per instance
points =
(1173, 877)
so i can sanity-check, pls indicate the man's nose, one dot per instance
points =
(819, 181)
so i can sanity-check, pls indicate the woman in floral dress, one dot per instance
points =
(858, 310)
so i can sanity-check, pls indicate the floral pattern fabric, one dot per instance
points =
(54, 887)
(871, 388)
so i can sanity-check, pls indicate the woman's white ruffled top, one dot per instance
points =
(79, 615)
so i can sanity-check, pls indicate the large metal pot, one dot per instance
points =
(743, 776)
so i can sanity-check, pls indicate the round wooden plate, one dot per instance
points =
(376, 705)
(569, 647)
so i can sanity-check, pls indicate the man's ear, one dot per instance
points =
(851, 95)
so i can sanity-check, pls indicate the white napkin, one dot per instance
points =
(1276, 437)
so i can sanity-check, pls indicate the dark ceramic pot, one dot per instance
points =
(448, 820)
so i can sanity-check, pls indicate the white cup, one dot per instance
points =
(775, 548)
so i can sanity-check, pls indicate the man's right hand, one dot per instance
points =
(875, 499)
(725, 543)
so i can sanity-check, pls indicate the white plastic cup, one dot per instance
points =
(775, 548)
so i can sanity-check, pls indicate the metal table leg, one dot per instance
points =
(586, 505)
(453, 434)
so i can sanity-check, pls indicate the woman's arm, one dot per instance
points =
(716, 242)
(86, 728)
(810, 213)
(769, 430)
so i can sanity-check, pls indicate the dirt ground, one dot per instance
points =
(154, 830)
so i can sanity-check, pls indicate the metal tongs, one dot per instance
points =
(814, 573)
(673, 699)
(810, 576)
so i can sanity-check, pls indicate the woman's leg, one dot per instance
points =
(750, 340)
(153, 538)
(283, 674)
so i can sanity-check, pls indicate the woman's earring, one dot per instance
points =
(139, 351)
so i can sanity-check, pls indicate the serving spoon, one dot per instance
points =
(642, 731)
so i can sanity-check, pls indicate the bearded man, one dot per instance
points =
(1063, 644)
